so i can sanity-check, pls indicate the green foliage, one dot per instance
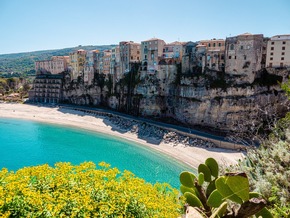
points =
(286, 87)
(213, 198)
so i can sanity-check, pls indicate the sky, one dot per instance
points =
(32, 25)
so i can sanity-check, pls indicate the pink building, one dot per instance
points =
(56, 65)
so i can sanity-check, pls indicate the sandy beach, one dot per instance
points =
(191, 156)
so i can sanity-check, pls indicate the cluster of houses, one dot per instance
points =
(244, 55)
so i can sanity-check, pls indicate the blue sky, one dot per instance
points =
(31, 25)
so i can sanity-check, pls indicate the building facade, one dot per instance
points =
(214, 56)
(278, 51)
(47, 88)
(130, 52)
(151, 53)
(243, 55)
(77, 63)
(172, 52)
(55, 65)
(189, 57)
(89, 68)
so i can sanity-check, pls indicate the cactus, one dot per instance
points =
(220, 211)
(200, 178)
(202, 168)
(213, 166)
(192, 200)
(187, 179)
(212, 200)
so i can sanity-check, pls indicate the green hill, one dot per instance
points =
(22, 64)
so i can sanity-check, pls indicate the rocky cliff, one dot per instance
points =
(211, 99)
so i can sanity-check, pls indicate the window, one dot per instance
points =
(242, 47)
(208, 44)
(284, 43)
(232, 47)
(283, 48)
(282, 58)
(272, 48)
(213, 44)
(271, 53)
(220, 44)
(235, 57)
(230, 57)
(131, 57)
(272, 43)
(271, 59)
(281, 64)
(245, 57)
(283, 53)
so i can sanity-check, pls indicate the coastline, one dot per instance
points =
(191, 156)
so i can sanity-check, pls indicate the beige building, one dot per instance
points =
(106, 62)
(129, 53)
(151, 53)
(244, 55)
(55, 65)
(214, 55)
(278, 51)
(172, 52)
(77, 63)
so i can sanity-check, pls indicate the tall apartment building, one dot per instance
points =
(151, 53)
(189, 57)
(47, 88)
(243, 55)
(55, 65)
(172, 52)
(106, 62)
(77, 63)
(278, 51)
(89, 68)
(213, 57)
(129, 53)
(115, 62)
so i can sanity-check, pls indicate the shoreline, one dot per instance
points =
(191, 156)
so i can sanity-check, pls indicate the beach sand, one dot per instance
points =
(191, 156)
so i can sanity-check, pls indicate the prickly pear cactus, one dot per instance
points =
(211, 193)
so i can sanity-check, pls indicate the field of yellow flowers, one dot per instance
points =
(84, 190)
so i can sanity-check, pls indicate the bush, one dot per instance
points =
(83, 191)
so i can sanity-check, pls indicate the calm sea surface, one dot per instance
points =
(28, 143)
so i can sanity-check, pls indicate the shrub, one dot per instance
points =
(83, 191)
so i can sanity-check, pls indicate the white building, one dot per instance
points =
(278, 51)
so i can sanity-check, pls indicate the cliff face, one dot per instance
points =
(213, 99)
(77, 92)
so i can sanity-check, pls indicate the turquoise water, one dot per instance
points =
(28, 143)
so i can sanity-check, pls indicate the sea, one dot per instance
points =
(26, 143)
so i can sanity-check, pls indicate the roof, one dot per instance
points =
(152, 39)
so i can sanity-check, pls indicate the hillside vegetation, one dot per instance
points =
(22, 64)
